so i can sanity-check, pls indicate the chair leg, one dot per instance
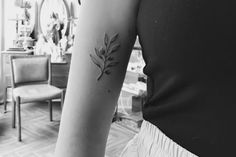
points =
(13, 113)
(19, 117)
(62, 99)
(50, 109)
(5, 100)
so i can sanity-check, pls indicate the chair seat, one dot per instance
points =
(39, 92)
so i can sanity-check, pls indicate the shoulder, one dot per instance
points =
(114, 11)
(131, 5)
(79, 1)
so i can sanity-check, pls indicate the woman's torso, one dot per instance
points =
(190, 50)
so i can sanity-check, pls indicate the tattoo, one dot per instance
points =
(103, 58)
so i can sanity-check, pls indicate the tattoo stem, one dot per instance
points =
(102, 71)
(100, 76)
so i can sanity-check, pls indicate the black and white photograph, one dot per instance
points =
(117, 78)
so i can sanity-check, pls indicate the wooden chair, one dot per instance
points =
(31, 82)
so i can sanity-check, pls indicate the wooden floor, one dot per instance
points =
(39, 135)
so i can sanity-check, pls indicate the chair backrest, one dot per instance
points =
(30, 69)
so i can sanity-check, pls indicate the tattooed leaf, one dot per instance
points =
(106, 39)
(114, 38)
(110, 58)
(112, 64)
(95, 61)
(103, 58)
(114, 48)
(97, 51)
(107, 72)
(102, 51)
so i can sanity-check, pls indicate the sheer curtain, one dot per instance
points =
(7, 31)
(1, 45)
(1, 10)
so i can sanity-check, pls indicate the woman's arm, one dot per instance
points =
(104, 40)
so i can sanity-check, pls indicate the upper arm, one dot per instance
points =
(90, 101)
(97, 19)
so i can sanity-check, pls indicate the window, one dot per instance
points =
(10, 15)
(1, 26)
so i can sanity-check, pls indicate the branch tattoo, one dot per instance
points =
(103, 58)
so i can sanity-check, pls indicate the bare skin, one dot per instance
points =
(103, 58)
(96, 76)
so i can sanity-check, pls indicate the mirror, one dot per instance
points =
(53, 19)
(54, 29)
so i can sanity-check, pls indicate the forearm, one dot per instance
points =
(84, 129)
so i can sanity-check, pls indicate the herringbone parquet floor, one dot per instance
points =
(39, 134)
